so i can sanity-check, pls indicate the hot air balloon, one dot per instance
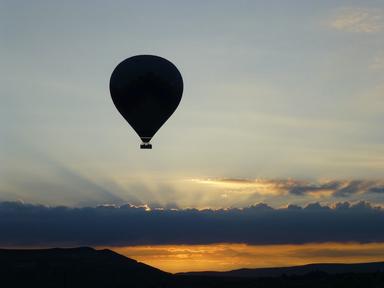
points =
(146, 90)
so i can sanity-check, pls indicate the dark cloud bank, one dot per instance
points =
(36, 225)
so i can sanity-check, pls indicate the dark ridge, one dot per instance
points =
(329, 268)
(75, 267)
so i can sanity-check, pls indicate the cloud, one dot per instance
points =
(302, 188)
(245, 186)
(320, 188)
(359, 20)
(36, 225)
(377, 189)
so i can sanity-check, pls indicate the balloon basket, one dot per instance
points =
(146, 146)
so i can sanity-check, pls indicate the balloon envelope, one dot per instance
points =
(146, 90)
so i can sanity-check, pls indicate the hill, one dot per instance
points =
(75, 267)
(296, 270)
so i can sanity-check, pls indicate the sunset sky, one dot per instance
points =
(277, 145)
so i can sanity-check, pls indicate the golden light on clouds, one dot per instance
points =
(222, 193)
(321, 193)
(283, 187)
(259, 186)
(223, 257)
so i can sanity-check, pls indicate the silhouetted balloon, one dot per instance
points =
(146, 90)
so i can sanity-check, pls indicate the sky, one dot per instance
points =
(282, 107)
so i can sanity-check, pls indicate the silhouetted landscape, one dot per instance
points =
(87, 267)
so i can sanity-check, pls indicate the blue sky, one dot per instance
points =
(273, 90)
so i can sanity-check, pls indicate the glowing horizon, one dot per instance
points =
(231, 256)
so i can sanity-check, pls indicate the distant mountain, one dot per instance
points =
(75, 267)
(296, 270)
(90, 268)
